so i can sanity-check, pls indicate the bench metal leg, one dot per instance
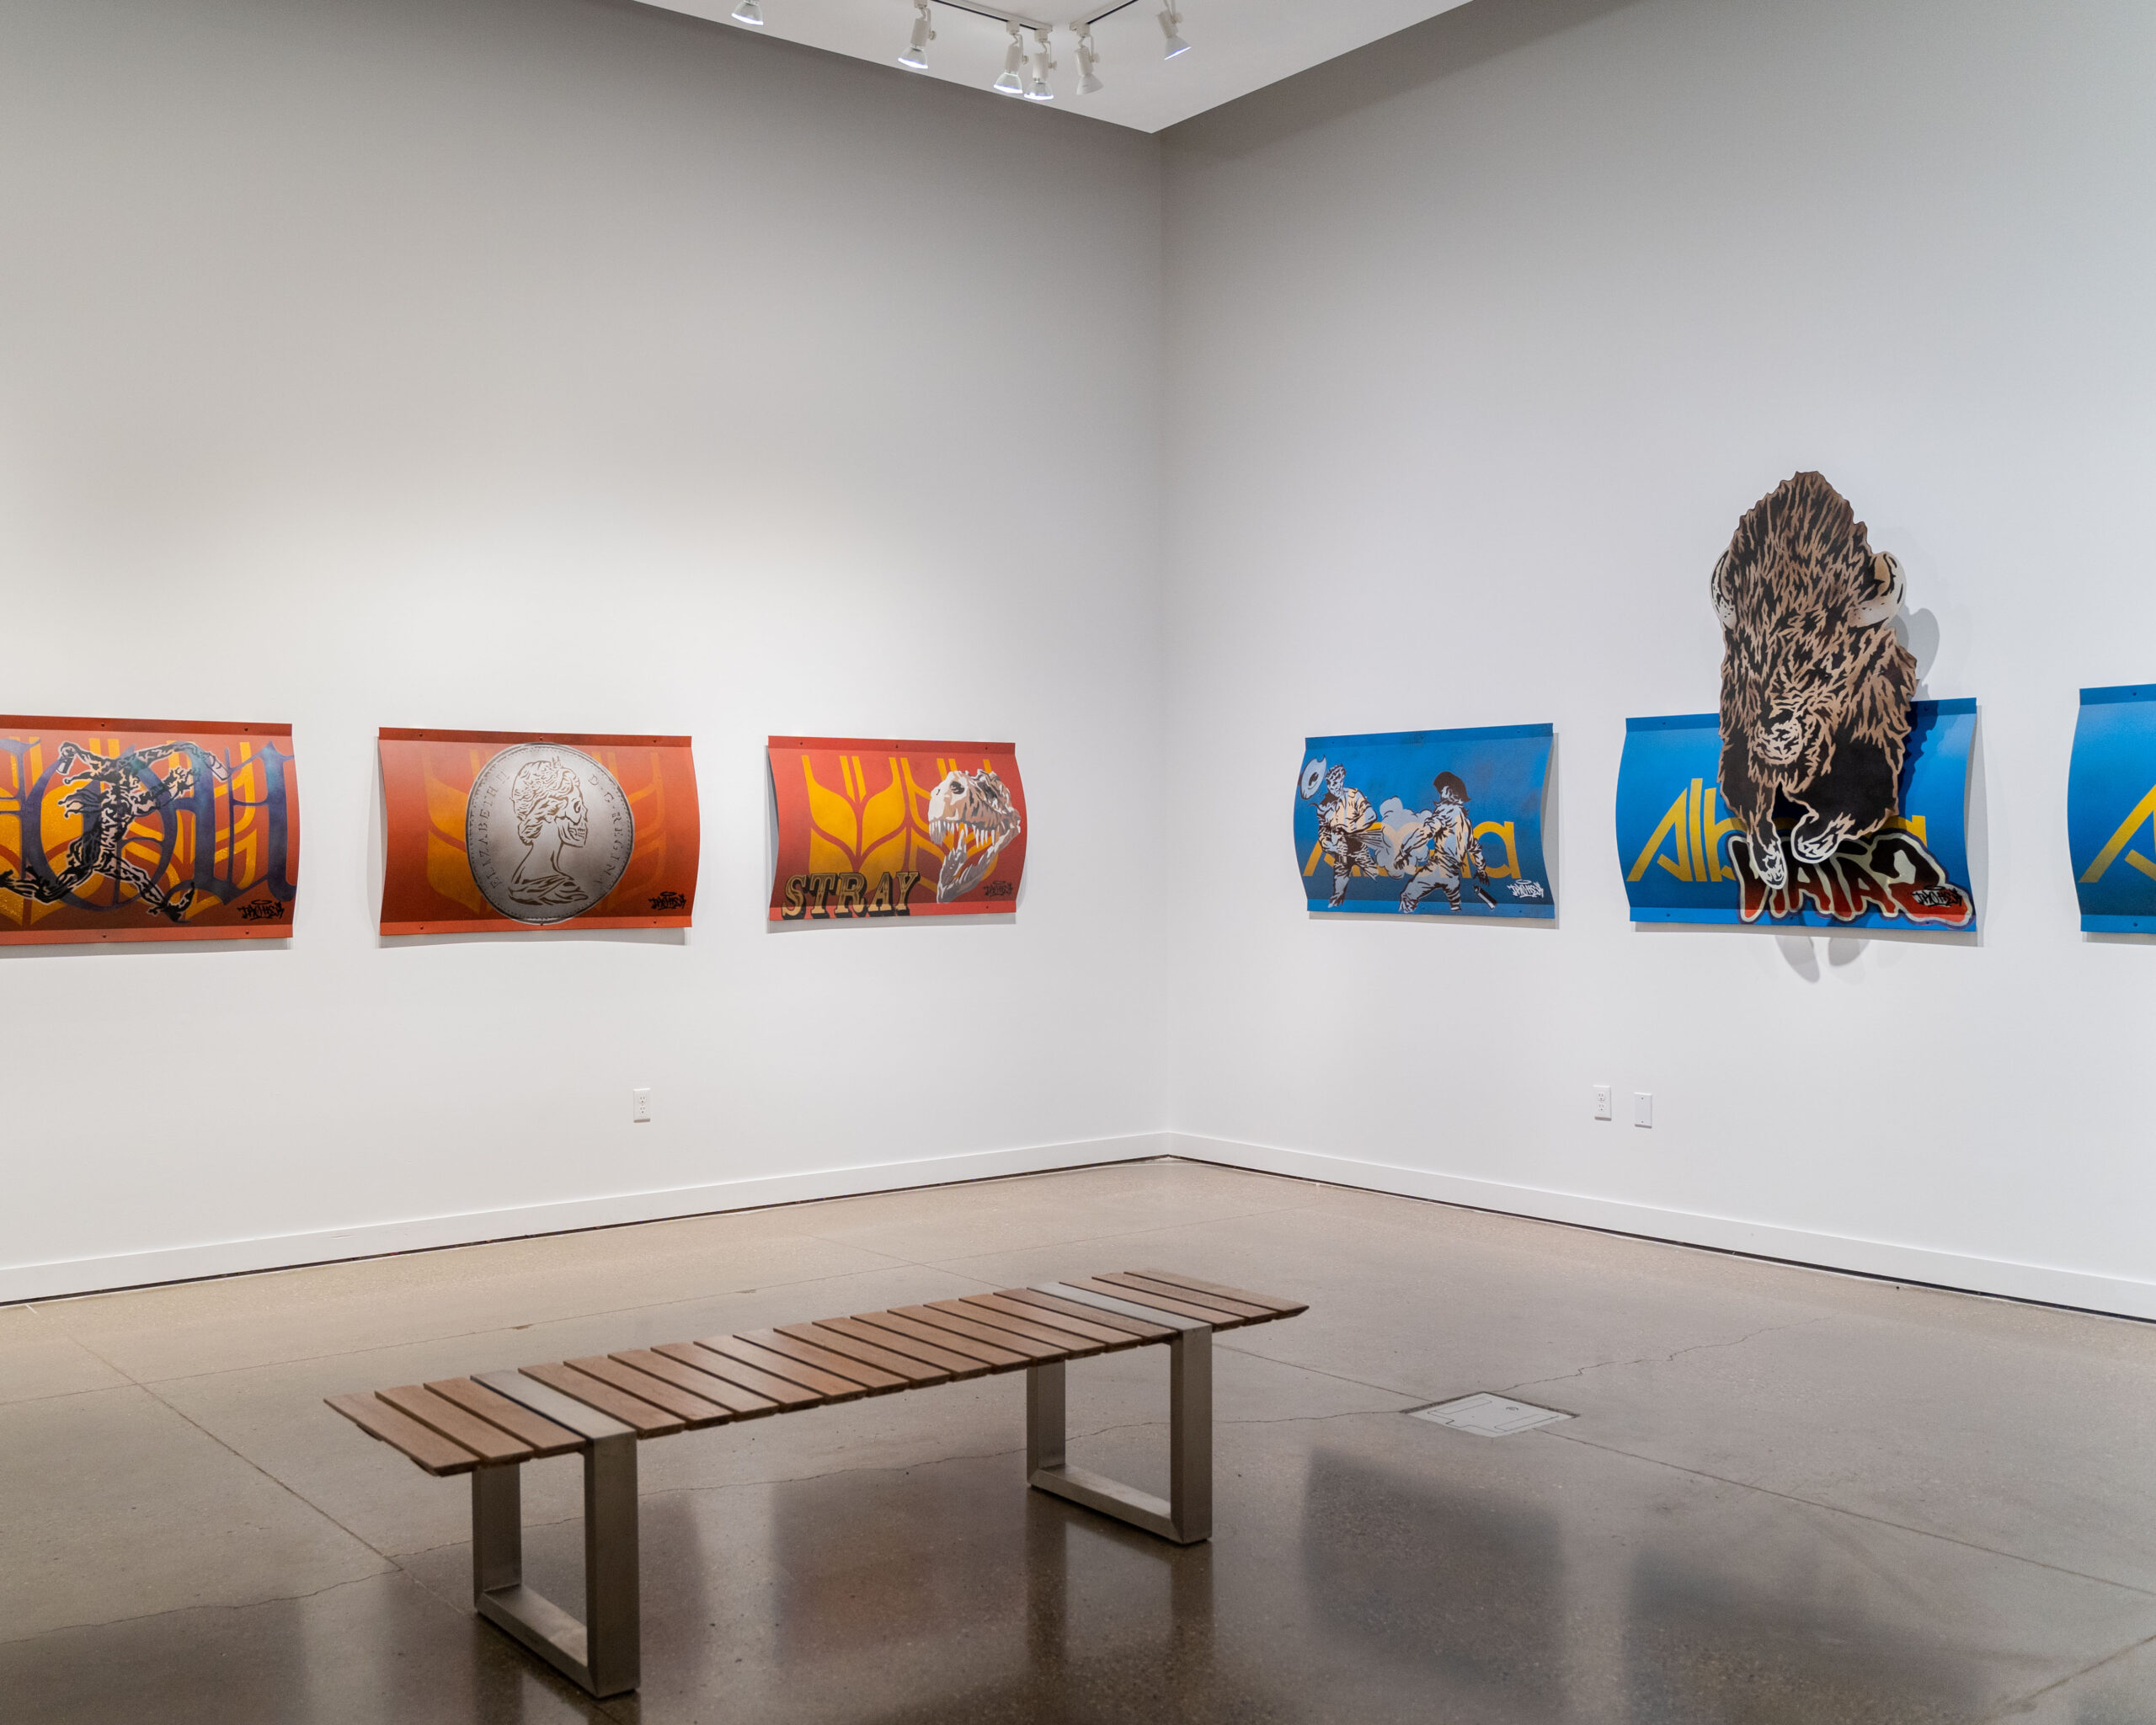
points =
(1187, 1517)
(601, 1654)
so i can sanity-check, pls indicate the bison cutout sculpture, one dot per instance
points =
(1823, 794)
(1816, 687)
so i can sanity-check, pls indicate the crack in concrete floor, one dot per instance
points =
(1661, 1359)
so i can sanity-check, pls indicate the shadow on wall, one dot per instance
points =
(1420, 55)
(143, 948)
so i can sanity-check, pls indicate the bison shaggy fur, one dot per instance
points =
(1815, 686)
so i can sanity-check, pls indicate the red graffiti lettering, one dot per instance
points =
(1889, 873)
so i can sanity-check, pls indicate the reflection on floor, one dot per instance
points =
(1783, 1496)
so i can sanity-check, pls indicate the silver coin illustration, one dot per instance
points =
(548, 833)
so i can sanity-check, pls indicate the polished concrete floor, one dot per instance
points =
(1786, 1496)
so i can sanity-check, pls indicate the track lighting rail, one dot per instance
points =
(1023, 20)
(1026, 21)
(1025, 72)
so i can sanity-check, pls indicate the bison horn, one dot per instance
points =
(1887, 573)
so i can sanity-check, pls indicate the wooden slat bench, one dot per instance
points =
(599, 1407)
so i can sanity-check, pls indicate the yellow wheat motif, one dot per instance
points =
(27, 766)
(236, 838)
(449, 870)
(855, 829)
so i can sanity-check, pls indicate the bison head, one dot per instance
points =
(1815, 686)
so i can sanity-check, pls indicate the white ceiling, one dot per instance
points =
(1235, 46)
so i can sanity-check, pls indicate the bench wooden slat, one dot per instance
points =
(489, 1443)
(585, 1421)
(1055, 1322)
(959, 1324)
(1219, 1302)
(1279, 1308)
(400, 1431)
(1212, 1315)
(453, 1425)
(789, 1395)
(843, 1335)
(909, 1329)
(542, 1435)
(1067, 1342)
(640, 1417)
(821, 1348)
(827, 1384)
(1092, 1314)
(698, 1409)
(744, 1404)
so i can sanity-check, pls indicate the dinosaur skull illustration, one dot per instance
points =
(971, 814)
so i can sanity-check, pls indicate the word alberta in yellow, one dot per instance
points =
(1692, 831)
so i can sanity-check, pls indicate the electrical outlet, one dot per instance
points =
(1605, 1101)
(1643, 1107)
(640, 1106)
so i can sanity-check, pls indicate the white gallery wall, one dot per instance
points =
(1483, 339)
(566, 365)
(571, 365)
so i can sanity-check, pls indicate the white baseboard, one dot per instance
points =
(226, 1257)
(2003, 1277)
(2006, 1277)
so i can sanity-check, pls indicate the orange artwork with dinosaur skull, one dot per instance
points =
(873, 827)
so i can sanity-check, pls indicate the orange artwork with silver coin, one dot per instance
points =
(506, 830)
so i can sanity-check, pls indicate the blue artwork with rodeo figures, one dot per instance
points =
(1688, 857)
(1426, 823)
(2110, 809)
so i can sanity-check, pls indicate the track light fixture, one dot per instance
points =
(1037, 90)
(1089, 58)
(1025, 69)
(1014, 58)
(915, 58)
(749, 12)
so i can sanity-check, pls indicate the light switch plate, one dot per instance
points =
(1643, 1107)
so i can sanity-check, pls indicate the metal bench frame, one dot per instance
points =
(602, 1653)
(1187, 1516)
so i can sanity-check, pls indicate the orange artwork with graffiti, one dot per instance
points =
(137, 829)
(872, 827)
(508, 831)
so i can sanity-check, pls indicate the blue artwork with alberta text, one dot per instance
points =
(1444, 823)
(1687, 859)
(2110, 809)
